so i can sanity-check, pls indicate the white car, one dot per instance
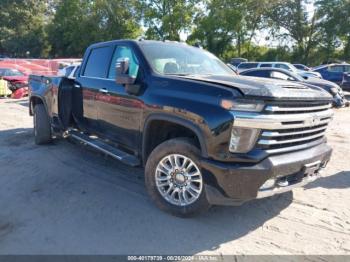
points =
(283, 65)
(69, 71)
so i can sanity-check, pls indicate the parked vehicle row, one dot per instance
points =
(339, 99)
(283, 65)
(204, 135)
(333, 72)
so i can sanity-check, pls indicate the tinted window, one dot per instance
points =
(124, 52)
(257, 73)
(266, 65)
(248, 65)
(98, 62)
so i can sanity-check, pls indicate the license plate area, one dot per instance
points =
(311, 170)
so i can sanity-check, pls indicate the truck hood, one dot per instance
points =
(265, 88)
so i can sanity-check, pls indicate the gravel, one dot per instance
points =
(68, 199)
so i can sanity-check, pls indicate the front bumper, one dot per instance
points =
(234, 183)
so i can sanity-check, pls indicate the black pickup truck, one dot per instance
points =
(204, 135)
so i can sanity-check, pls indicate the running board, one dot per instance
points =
(99, 145)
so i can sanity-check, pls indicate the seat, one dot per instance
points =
(171, 68)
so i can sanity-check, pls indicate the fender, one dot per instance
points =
(31, 107)
(176, 120)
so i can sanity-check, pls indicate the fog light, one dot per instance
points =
(268, 184)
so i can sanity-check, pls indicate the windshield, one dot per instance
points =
(181, 59)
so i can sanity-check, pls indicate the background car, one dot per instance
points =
(236, 61)
(346, 81)
(302, 67)
(339, 99)
(69, 71)
(18, 81)
(282, 65)
(333, 72)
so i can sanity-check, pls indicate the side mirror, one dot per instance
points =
(122, 72)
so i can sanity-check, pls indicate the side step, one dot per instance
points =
(105, 148)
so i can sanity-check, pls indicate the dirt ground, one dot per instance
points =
(64, 199)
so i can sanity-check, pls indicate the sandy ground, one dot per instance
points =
(65, 199)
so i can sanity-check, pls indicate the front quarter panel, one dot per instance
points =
(197, 103)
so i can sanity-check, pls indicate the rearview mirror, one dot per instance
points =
(122, 72)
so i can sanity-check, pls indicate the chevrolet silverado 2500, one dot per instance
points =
(203, 135)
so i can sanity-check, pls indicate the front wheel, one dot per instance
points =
(174, 179)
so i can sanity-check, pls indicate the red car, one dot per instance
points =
(18, 81)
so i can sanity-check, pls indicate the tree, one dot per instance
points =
(79, 23)
(227, 22)
(22, 28)
(290, 19)
(166, 19)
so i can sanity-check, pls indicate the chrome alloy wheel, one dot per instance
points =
(179, 180)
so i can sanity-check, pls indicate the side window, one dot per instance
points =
(69, 70)
(279, 75)
(266, 65)
(76, 71)
(336, 69)
(346, 68)
(262, 73)
(124, 52)
(98, 62)
(247, 65)
(283, 66)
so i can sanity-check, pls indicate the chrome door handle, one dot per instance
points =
(103, 90)
(77, 86)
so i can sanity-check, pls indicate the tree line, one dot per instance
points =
(303, 31)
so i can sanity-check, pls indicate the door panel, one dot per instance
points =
(119, 113)
(93, 79)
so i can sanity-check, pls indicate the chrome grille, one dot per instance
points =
(306, 125)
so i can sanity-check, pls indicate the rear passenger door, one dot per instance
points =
(92, 82)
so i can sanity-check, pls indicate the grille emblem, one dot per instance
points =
(313, 121)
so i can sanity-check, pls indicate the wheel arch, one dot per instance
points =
(147, 146)
(34, 100)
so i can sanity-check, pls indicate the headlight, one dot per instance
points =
(245, 105)
(243, 139)
(334, 90)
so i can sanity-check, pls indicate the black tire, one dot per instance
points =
(185, 147)
(42, 126)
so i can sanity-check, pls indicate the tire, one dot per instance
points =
(181, 148)
(42, 126)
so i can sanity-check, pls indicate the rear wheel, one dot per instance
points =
(174, 179)
(42, 126)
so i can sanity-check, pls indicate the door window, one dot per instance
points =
(279, 75)
(98, 61)
(124, 52)
(283, 66)
(347, 68)
(247, 65)
(336, 69)
(266, 65)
